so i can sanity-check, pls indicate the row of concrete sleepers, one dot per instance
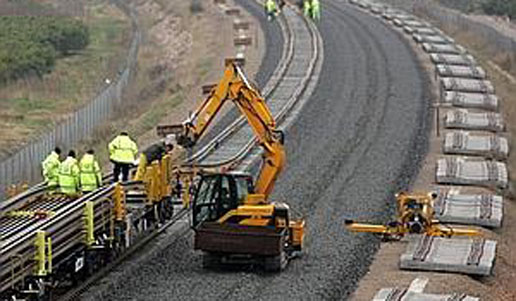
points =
(471, 174)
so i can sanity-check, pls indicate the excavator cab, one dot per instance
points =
(219, 193)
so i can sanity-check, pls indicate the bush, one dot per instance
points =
(500, 8)
(30, 45)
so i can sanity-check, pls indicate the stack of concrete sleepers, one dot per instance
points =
(390, 294)
(457, 84)
(461, 71)
(440, 48)
(460, 255)
(484, 101)
(420, 30)
(470, 120)
(475, 209)
(450, 58)
(466, 143)
(471, 170)
(472, 140)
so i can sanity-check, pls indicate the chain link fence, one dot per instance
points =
(25, 165)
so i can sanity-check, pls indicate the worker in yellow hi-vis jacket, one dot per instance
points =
(90, 174)
(154, 152)
(122, 152)
(50, 167)
(316, 10)
(69, 175)
(270, 9)
(307, 8)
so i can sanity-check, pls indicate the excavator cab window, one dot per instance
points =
(217, 194)
(204, 201)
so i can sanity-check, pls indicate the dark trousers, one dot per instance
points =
(121, 168)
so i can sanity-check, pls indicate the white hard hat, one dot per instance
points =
(170, 139)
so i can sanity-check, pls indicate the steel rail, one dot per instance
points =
(280, 109)
(68, 213)
(75, 293)
(245, 150)
(270, 87)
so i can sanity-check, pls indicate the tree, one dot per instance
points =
(30, 45)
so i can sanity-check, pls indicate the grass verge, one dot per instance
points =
(30, 105)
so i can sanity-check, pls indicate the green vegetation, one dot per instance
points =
(30, 45)
(489, 7)
(32, 103)
(500, 8)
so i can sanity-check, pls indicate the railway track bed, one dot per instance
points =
(82, 240)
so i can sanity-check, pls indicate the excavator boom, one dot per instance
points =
(235, 86)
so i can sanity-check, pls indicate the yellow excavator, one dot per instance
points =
(415, 215)
(233, 219)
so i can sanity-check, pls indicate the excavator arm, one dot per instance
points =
(235, 86)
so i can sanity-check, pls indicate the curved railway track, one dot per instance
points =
(360, 138)
(283, 92)
(357, 140)
(234, 147)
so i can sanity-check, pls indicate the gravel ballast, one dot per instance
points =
(357, 141)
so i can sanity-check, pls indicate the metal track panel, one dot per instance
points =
(241, 139)
(483, 101)
(470, 209)
(455, 255)
(61, 227)
(464, 119)
(473, 144)
(14, 202)
(286, 86)
(466, 171)
(271, 85)
(10, 226)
